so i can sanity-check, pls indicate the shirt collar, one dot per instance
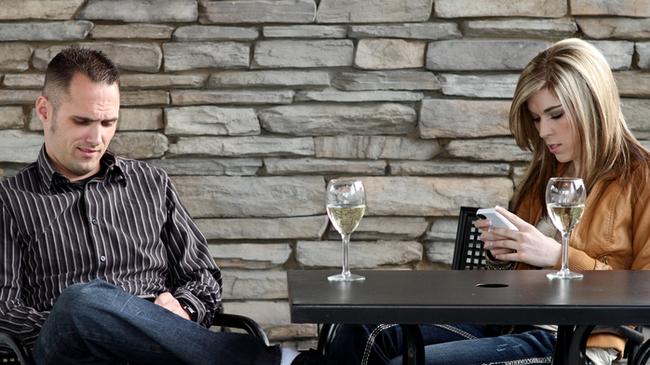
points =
(110, 165)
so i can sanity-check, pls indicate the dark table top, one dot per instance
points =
(454, 296)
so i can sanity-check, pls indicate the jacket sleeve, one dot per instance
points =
(193, 275)
(16, 318)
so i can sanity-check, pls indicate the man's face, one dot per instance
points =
(79, 131)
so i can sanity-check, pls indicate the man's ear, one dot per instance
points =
(44, 109)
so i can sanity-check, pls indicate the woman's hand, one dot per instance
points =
(527, 245)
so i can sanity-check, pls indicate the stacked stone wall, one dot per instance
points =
(253, 105)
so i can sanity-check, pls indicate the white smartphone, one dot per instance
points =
(496, 219)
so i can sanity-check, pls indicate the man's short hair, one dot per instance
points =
(91, 63)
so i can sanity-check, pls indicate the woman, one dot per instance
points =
(566, 110)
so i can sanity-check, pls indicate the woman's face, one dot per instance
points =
(553, 125)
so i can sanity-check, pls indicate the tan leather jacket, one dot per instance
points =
(613, 234)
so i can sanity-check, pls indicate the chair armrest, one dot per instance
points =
(8, 342)
(241, 322)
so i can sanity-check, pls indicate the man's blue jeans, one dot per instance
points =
(99, 323)
(446, 345)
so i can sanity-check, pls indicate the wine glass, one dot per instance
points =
(565, 201)
(346, 203)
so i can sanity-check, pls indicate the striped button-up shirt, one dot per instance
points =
(126, 226)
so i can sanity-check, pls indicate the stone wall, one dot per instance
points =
(252, 105)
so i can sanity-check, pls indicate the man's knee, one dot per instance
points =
(83, 297)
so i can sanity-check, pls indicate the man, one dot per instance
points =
(87, 236)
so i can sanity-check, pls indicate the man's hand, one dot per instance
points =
(167, 301)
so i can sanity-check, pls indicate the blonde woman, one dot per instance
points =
(566, 111)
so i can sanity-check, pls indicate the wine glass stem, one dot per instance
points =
(346, 245)
(565, 250)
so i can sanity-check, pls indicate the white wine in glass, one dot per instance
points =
(346, 204)
(565, 201)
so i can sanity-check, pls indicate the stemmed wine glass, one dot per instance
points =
(346, 203)
(565, 201)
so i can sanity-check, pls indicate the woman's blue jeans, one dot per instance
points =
(445, 345)
(99, 323)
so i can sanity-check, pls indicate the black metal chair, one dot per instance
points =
(468, 255)
(17, 354)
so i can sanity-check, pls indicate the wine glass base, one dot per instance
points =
(564, 274)
(349, 277)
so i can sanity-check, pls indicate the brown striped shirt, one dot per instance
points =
(126, 226)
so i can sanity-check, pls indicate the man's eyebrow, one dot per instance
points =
(84, 119)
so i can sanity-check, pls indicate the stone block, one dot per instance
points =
(266, 313)
(211, 120)
(293, 331)
(335, 95)
(314, 166)
(12, 117)
(443, 229)
(375, 147)
(386, 80)
(480, 86)
(139, 145)
(299, 53)
(618, 53)
(617, 28)
(34, 123)
(246, 285)
(257, 11)
(643, 49)
(243, 146)
(17, 146)
(197, 97)
(161, 81)
(39, 9)
(373, 11)
(636, 113)
(439, 251)
(45, 31)
(271, 78)
(226, 196)
(215, 33)
(14, 56)
(555, 28)
(431, 31)
(454, 118)
(27, 81)
(141, 11)
(144, 97)
(433, 196)
(447, 168)
(140, 119)
(386, 228)
(210, 166)
(18, 97)
(330, 119)
(250, 255)
(500, 8)
(489, 149)
(632, 83)
(143, 57)
(269, 228)
(478, 55)
(186, 56)
(385, 53)
(305, 31)
(362, 254)
(631, 8)
(126, 31)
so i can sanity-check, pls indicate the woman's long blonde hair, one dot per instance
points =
(579, 76)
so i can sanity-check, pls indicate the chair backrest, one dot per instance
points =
(468, 251)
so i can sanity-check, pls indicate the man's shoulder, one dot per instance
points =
(24, 177)
(137, 168)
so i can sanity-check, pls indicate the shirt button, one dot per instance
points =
(102, 258)
(94, 221)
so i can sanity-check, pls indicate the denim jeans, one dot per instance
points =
(99, 323)
(445, 345)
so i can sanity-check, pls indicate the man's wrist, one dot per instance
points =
(189, 309)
